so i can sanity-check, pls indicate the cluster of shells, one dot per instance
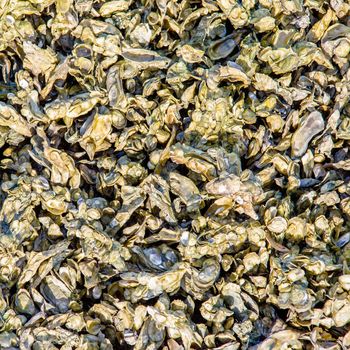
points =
(174, 174)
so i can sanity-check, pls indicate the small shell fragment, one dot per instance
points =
(277, 225)
(311, 126)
